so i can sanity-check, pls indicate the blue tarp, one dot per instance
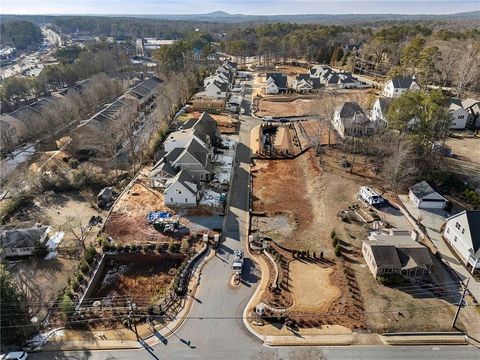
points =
(156, 215)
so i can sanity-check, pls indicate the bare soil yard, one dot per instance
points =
(143, 283)
(311, 104)
(127, 222)
(320, 293)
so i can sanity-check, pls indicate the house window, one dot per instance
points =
(463, 231)
(171, 200)
(457, 225)
(455, 238)
(448, 230)
(461, 116)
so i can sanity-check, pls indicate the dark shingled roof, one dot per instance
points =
(422, 189)
(145, 88)
(189, 124)
(21, 238)
(349, 108)
(384, 104)
(473, 218)
(279, 79)
(174, 154)
(386, 256)
(414, 256)
(402, 82)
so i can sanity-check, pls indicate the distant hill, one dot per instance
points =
(224, 17)
(221, 16)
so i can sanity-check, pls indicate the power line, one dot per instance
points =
(241, 317)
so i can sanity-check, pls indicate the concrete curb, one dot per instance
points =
(182, 316)
(92, 345)
(426, 339)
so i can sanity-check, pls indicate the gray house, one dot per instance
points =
(21, 242)
(194, 158)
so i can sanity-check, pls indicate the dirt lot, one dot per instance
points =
(142, 283)
(301, 199)
(466, 160)
(311, 104)
(127, 222)
(320, 293)
(296, 188)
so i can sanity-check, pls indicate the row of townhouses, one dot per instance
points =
(318, 77)
(186, 164)
(219, 84)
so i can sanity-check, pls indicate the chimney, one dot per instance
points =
(414, 235)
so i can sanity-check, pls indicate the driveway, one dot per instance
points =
(433, 220)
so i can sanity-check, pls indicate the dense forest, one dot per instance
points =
(20, 34)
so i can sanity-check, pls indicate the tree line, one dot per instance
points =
(20, 34)
(108, 58)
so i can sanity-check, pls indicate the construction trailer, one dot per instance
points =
(370, 196)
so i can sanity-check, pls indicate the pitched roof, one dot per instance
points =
(473, 218)
(173, 155)
(384, 104)
(145, 88)
(402, 82)
(185, 179)
(163, 166)
(413, 256)
(385, 255)
(423, 189)
(349, 108)
(279, 79)
(22, 238)
(468, 103)
(221, 85)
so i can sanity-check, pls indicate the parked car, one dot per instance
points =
(14, 355)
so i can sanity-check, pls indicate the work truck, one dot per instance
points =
(237, 263)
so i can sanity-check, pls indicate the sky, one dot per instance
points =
(250, 7)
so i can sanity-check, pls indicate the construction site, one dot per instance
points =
(298, 205)
(288, 139)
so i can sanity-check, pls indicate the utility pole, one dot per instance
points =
(460, 303)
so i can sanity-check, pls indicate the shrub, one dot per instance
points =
(74, 284)
(335, 242)
(133, 248)
(333, 235)
(100, 240)
(338, 250)
(40, 250)
(125, 323)
(106, 245)
(159, 248)
(90, 254)
(66, 304)
(84, 267)
(73, 163)
(146, 248)
(80, 277)
(173, 247)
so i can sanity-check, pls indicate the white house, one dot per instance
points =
(462, 231)
(395, 87)
(349, 119)
(161, 173)
(424, 196)
(458, 115)
(276, 83)
(216, 90)
(21, 242)
(181, 190)
(380, 110)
